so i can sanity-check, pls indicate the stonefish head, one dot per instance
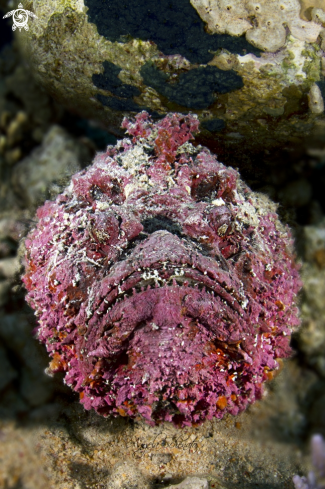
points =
(163, 286)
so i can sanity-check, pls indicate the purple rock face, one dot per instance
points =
(163, 286)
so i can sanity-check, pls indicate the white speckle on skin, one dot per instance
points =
(218, 202)
(145, 378)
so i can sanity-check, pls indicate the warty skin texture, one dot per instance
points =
(163, 286)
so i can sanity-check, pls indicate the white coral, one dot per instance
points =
(315, 100)
(223, 16)
(318, 16)
(264, 22)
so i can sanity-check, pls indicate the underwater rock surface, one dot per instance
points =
(246, 69)
(163, 286)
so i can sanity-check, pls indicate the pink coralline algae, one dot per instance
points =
(164, 287)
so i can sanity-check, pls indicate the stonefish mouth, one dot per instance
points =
(163, 286)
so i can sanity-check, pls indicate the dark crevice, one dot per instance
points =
(173, 25)
(130, 246)
(161, 223)
(196, 88)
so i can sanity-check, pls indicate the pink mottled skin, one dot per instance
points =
(163, 286)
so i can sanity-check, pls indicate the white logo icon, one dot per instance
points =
(20, 17)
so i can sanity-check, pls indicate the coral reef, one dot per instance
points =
(315, 478)
(163, 286)
(47, 438)
(245, 68)
(38, 172)
(271, 19)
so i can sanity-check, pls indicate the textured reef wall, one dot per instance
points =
(252, 71)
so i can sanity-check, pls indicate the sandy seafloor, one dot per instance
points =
(47, 440)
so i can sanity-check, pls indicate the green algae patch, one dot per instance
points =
(312, 65)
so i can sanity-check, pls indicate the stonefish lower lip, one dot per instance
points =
(163, 286)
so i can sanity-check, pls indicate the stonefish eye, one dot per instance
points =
(220, 219)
